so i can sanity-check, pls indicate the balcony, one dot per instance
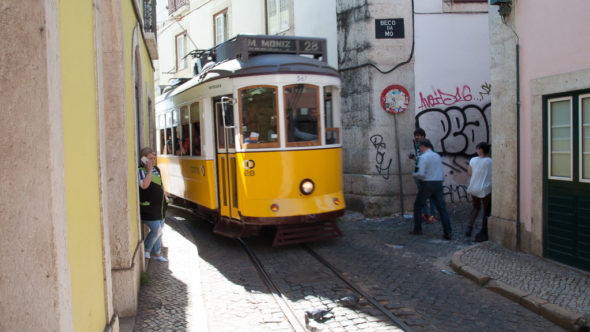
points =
(175, 5)
(150, 27)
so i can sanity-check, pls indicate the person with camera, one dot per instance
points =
(153, 203)
(420, 134)
(430, 171)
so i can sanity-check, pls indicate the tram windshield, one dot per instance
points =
(302, 114)
(259, 116)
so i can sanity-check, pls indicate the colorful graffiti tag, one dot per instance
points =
(440, 97)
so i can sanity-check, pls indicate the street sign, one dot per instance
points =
(395, 99)
(389, 28)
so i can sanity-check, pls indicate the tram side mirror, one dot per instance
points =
(227, 111)
(228, 115)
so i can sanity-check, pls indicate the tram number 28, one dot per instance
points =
(311, 46)
(249, 167)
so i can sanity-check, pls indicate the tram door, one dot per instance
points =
(226, 157)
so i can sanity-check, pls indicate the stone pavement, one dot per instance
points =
(171, 299)
(170, 294)
(557, 292)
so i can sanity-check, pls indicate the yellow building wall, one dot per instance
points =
(81, 164)
(147, 76)
(148, 89)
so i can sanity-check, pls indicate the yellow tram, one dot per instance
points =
(253, 140)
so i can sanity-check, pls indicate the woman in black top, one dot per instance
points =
(153, 202)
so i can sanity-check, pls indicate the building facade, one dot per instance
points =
(189, 25)
(433, 53)
(76, 95)
(540, 71)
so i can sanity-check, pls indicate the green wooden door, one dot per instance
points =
(567, 178)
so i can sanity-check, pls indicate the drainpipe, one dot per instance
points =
(518, 235)
(504, 10)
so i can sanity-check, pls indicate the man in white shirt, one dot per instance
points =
(430, 171)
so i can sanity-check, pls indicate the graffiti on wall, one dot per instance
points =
(455, 121)
(380, 161)
(456, 164)
(456, 130)
(440, 97)
(486, 89)
(455, 193)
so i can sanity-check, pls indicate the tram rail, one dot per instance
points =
(357, 289)
(283, 302)
(278, 296)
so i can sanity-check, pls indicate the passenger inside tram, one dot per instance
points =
(196, 139)
(169, 145)
(306, 125)
(259, 116)
(302, 113)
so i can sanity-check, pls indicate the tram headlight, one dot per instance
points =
(307, 186)
(336, 201)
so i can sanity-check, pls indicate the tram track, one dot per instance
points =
(278, 296)
(358, 289)
(284, 303)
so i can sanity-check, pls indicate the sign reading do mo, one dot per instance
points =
(386, 28)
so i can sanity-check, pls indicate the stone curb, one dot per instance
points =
(552, 312)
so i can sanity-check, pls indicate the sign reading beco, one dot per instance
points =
(389, 28)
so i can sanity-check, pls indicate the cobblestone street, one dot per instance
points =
(412, 276)
(409, 275)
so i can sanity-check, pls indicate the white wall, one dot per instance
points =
(318, 19)
(428, 6)
(452, 89)
(248, 17)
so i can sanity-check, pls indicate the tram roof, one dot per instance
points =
(266, 64)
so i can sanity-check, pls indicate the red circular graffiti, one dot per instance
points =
(395, 99)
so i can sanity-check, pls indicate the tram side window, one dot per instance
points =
(302, 114)
(330, 120)
(169, 146)
(175, 133)
(162, 134)
(184, 132)
(196, 130)
(259, 116)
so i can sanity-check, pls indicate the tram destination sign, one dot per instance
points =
(245, 46)
(281, 44)
(389, 28)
